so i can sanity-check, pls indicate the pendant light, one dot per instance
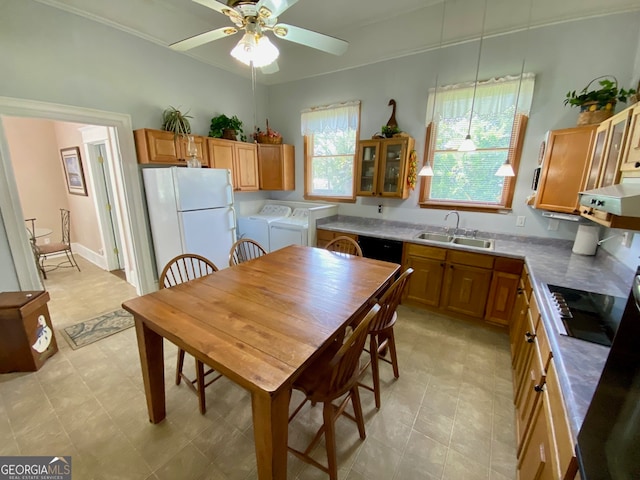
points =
(427, 169)
(506, 169)
(467, 144)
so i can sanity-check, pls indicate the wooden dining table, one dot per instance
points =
(260, 323)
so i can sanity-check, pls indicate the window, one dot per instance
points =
(330, 137)
(467, 179)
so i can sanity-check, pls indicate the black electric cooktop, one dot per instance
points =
(589, 316)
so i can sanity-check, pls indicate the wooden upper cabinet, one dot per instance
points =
(610, 169)
(383, 167)
(161, 147)
(564, 168)
(631, 153)
(239, 157)
(276, 166)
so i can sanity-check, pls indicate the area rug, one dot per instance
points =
(90, 331)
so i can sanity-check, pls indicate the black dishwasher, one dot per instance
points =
(381, 248)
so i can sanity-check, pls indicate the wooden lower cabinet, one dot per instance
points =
(425, 285)
(323, 237)
(504, 290)
(466, 289)
(538, 458)
(544, 442)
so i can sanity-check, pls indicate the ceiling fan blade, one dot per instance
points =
(271, 68)
(311, 39)
(214, 5)
(202, 38)
(276, 7)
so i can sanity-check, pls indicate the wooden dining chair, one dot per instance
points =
(334, 374)
(63, 246)
(181, 269)
(381, 334)
(243, 250)
(344, 244)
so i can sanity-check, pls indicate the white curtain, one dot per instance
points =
(492, 96)
(330, 118)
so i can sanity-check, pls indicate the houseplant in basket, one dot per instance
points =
(597, 105)
(226, 127)
(269, 136)
(173, 120)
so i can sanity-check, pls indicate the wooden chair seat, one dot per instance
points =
(331, 376)
(344, 245)
(381, 336)
(182, 269)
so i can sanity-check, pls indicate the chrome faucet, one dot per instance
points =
(455, 232)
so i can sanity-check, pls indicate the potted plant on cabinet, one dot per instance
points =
(226, 127)
(598, 104)
(173, 120)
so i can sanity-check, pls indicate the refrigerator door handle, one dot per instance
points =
(233, 218)
(229, 189)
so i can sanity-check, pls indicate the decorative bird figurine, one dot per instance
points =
(392, 124)
(43, 335)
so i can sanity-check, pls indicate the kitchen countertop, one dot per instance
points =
(579, 363)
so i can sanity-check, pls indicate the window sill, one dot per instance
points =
(465, 207)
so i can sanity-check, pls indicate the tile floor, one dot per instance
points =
(449, 415)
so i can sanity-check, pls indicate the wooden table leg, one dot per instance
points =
(152, 363)
(270, 431)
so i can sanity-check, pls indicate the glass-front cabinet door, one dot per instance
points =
(393, 156)
(367, 173)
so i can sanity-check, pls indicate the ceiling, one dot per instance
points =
(376, 30)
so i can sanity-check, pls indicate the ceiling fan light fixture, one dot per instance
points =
(244, 50)
(266, 52)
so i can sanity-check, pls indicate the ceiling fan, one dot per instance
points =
(256, 17)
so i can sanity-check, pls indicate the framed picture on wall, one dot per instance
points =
(73, 171)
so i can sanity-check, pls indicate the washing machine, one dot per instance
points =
(256, 226)
(292, 230)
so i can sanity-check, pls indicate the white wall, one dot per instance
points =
(53, 56)
(563, 57)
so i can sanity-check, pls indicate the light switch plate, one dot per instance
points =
(553, 224)
(520, 221)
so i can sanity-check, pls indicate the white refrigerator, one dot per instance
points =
(190, 211)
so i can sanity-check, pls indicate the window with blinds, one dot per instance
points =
(467, 180)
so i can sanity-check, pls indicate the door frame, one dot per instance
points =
(142, 274)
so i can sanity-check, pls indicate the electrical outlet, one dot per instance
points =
(553, 224)
(520, 221)
(627, 239)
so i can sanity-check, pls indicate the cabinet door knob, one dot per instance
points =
(637, 164)
(529, 337)
(538, 388)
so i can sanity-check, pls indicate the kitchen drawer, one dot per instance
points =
(527, 282)
(481, 260)
(508, 265)
(559, 419)
(426, 251)
(543, 343)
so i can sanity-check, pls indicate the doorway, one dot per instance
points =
(23, 274)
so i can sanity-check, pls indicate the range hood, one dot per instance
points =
(622, 199)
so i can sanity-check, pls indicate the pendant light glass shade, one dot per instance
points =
(467, 145)
(426, 171)
(256, 49)
(505, 170)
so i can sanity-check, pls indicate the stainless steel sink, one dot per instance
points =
(435, 237)
(486, 244)
(479, 243)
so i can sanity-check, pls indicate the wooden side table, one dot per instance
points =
(26, 334)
